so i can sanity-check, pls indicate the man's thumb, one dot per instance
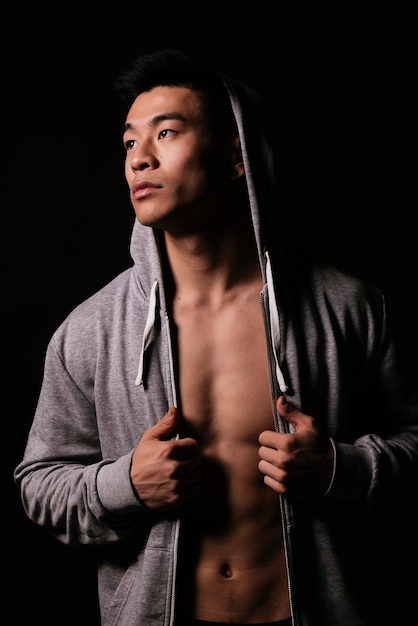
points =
(166, 425)
(295, 417)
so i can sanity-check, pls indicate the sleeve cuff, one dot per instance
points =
(114, 486)
(352, 472)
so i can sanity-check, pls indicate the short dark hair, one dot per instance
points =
(176, 68)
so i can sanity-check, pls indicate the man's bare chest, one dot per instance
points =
(223, 373)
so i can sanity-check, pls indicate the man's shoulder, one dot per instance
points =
(101, 305)
(303, 269)
(314, 280)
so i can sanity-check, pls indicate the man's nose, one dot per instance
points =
(143, 156)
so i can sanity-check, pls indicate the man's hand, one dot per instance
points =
(165, 473)
(299, 464)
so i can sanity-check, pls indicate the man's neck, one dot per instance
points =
(210, 266)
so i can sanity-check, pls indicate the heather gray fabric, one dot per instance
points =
(338, 364)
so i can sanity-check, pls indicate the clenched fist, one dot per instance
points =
(299, 464)
(165, 472)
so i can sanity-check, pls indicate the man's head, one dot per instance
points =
(183, 155)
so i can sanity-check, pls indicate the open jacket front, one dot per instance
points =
(110, 374)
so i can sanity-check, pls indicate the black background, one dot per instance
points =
(341, 88)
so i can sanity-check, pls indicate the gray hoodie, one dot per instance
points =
(110, 375)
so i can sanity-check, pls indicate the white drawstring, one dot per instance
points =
(274, 323)
(146, 337)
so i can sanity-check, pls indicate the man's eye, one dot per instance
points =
(163, 133)
(129, 144)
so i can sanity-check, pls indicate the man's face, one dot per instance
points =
(175, 168)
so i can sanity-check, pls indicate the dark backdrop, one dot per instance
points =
(340, 86)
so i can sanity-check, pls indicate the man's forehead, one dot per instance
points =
(158, 99)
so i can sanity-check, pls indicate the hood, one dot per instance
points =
(260, 173)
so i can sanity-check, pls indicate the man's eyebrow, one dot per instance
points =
(161, 117)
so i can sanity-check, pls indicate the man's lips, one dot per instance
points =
(143, 188)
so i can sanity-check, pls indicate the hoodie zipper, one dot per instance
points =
(279, 426)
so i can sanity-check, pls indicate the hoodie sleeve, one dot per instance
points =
(59, 476)
(381, 464)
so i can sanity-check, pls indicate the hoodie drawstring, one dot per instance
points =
(146, 337)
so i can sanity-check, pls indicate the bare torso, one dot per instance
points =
(233, 539)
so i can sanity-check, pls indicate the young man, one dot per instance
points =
(226, 420)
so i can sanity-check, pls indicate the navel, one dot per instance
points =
(225, 570)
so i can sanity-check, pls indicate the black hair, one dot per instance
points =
(175, 68)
